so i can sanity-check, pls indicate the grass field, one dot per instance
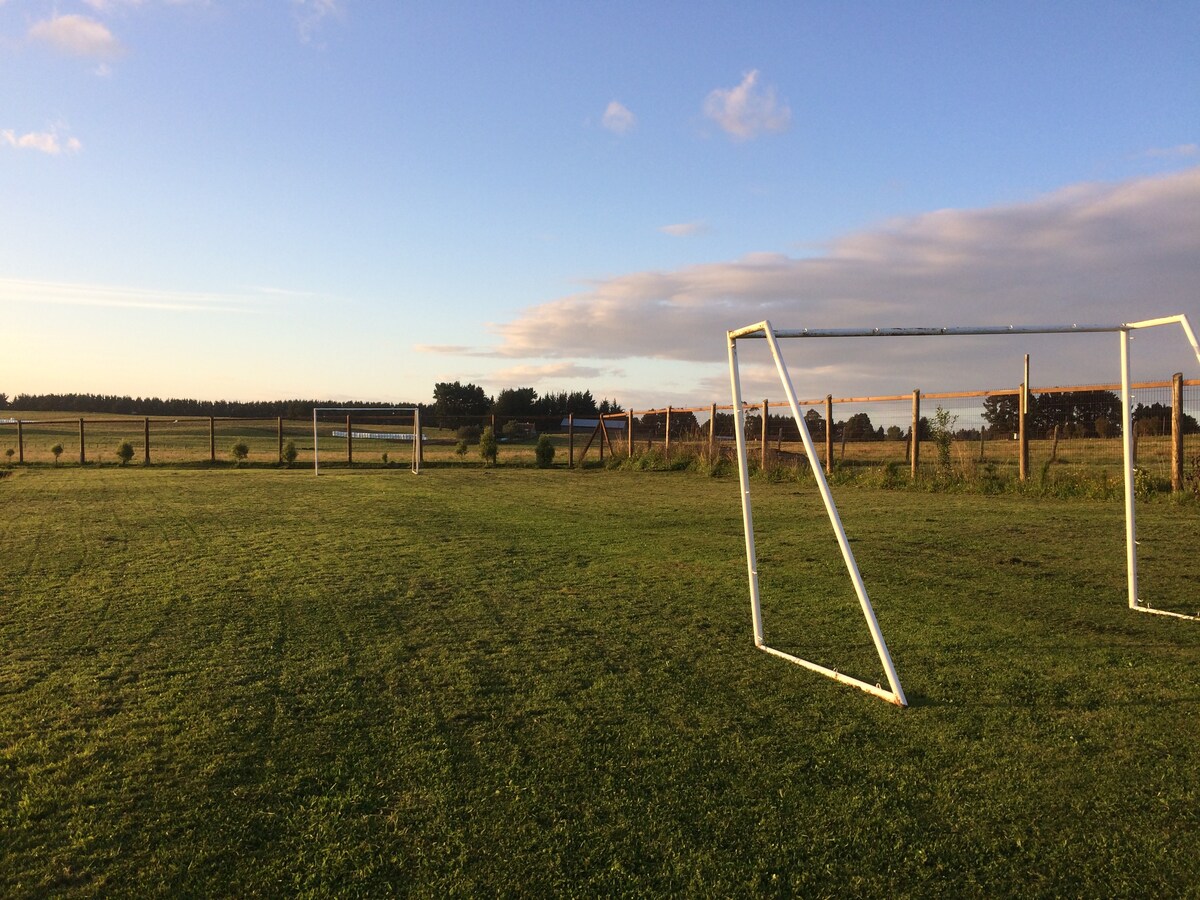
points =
(524, 682)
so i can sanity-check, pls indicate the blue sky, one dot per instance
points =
(345, 199)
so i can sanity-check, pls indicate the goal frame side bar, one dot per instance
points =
(764, 330)
(418, 438)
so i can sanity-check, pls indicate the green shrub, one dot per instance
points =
(461, 447)
(488, 448)
(57, 450)
(239, 451)
(544, 452)
(289, 453)
(9, 453)
(125, 452)
(383, 457)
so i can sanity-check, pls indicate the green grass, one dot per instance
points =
(253, 682)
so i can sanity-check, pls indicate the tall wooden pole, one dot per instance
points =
(915, 456)
(570, 440)
(349, 444)
(829, 433)
(82, 454)
(1177, 432)
(667, 436)
(21, 443)
(766, 411)
(712, 428)
(146, 439)
(212, 439)
(279, 425)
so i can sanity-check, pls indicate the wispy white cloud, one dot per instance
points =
(1179, 151)
(618, 119)
(310, 15)
(17, 290)
(77, 35)
(1087, 253)
(535, 375)
(684, 229)
(48, 142)
(748, 110)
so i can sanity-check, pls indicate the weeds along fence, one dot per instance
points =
(1060, 430)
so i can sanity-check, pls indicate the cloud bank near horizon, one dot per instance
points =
(1086, 253)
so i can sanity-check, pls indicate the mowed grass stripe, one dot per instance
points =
(476, 681)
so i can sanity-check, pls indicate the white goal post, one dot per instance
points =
(764, 330)
(416, 438)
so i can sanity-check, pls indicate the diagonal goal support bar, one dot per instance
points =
(764, 331)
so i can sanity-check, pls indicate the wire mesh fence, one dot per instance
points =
(1066, 429)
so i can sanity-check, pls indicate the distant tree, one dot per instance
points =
(1001, 412)
(239, 451)
(125, 452)
(516, 402)
(57, 450)
(815, 424)
(3, 401)
(859, 428)
(1155, 418)
(609, 406)
(455, 399)
(544, 452)
(1074, 411)
(289, 453)
(488, 447)
(894, 433)
(9, 453)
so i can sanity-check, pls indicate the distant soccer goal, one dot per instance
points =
(894, 693)
(398, 427)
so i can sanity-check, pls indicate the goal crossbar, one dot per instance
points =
(764, 330)
(370, 412)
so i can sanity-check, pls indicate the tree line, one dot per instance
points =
(455, 400)
(157, 406)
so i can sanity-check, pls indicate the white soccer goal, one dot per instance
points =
(376, 425)
(763, 330)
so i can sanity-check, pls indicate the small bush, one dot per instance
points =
(488, 448)
(544, 452)
(384, 457)
(125, 452)
(57, 450)
(461, 448)
(289, 453)
(239, 451)
(9, 453)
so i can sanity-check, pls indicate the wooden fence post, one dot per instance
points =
(1023, 433)
(712, 429)
(349, 444)
(82, 454)
(212, 439)
(570, 440)
(1177, 432)
(21, 442)
(629, 433)
(667, 435)
(146, 439)
(829, 433)
(915, 456)
(766, 413)
(279, 423)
